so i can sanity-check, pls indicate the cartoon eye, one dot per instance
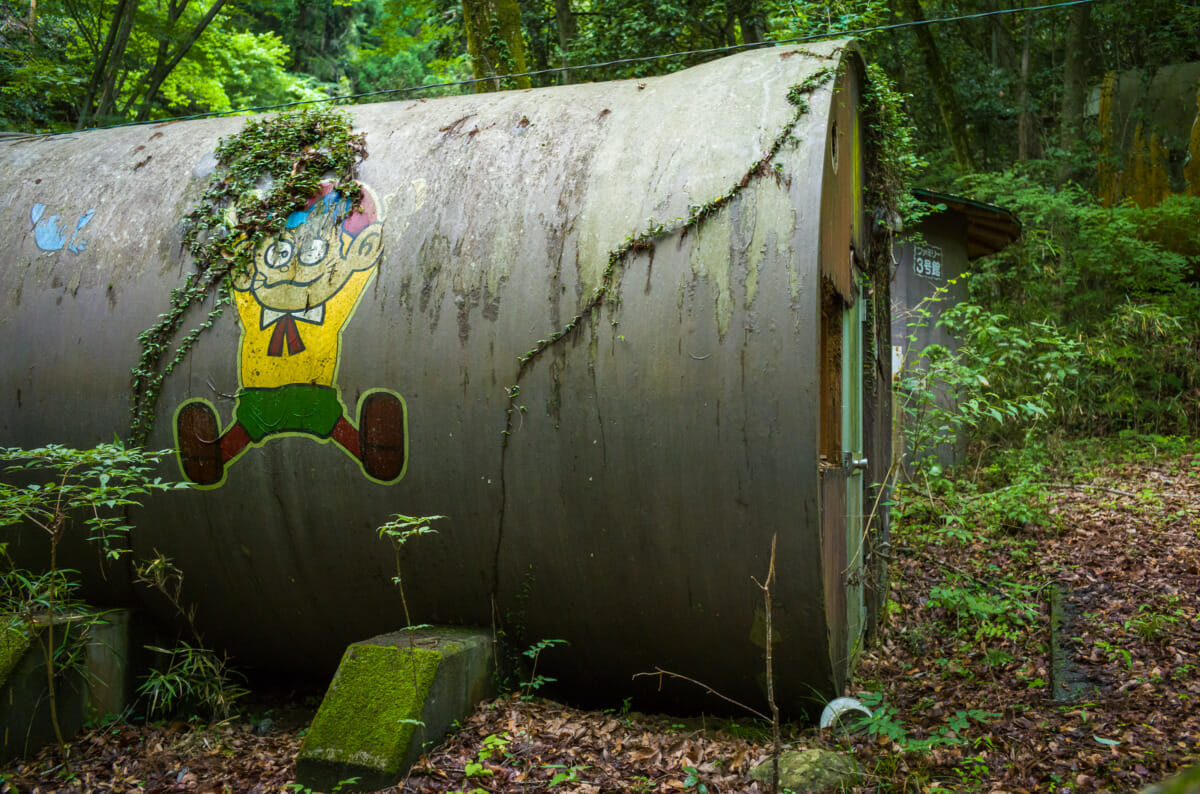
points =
(313, 252)
(279, 254)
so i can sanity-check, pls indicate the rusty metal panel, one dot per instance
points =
(833, 563)
(842, 205)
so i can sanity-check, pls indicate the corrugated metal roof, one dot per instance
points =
(989, 228)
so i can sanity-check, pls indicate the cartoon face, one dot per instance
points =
(313, 258)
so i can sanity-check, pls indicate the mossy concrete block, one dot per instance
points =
(101, 683)
(390, 696)
(1186, 782)
(811, 770)
(14, 639)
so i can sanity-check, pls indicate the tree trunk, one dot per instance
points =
(943, 89)
(568, 29)
(108, 66)
(495, 42)
(1026, 121)
(750, 20)
(1074, 78)
(167, 60)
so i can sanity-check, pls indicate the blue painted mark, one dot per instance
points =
(48, 235)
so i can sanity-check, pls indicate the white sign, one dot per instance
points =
(927, 261)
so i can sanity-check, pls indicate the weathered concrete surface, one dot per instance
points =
(391, 695)
(102, 685)
(815, 771)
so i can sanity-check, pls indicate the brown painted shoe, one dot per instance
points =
(198, 439)
(381, 433)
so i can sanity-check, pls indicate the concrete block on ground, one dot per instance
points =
(390, 696)
(102, 684)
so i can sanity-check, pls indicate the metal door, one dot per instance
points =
(854, 463)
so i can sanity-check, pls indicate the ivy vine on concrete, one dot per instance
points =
(273, 167)
(797, 96)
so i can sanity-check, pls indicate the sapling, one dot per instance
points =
(72, 487)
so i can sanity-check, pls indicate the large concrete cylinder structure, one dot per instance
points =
(622, 335)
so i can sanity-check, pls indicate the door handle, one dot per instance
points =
(853, 463)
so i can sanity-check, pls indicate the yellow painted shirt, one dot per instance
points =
(318, 361)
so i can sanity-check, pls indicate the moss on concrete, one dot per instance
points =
(14, 640)
(811, 770)
(368, 719)
(1186, 782)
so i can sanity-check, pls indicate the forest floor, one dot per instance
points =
(962, 684)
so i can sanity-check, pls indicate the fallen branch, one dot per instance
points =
(658, 671)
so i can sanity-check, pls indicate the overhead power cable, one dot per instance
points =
(605, 64)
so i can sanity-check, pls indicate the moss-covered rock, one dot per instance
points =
(1186, 782)
(390, 694)
(811, 770)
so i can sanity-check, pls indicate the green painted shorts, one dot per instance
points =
(295, 408)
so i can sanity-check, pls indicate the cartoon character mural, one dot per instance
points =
(292, 307)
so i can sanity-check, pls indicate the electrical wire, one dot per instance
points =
(600, 65)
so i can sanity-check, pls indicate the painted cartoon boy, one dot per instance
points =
(292, 307)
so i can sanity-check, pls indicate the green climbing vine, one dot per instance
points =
(894, 158)
(271, 168)
(505, 65)
(797, 96)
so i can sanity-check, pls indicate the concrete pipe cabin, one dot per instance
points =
(931, 261)
(726, 387)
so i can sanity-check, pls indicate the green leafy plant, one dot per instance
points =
(1156, 625)
(533, 653)
(399, 531)
(979, 604)
(495, 744)
(885, 721)
(1120, 281)
(565, 774)
(188, 674)
(54, 489)
(693, 780)
(896, 162)
(1116, 653)
(1000, 383)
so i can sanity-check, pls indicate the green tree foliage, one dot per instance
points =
(38, 87)
(98, 62)
(367, 46)
(1123, 280)
(1004, 67)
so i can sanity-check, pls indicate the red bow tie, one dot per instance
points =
(285, 330)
